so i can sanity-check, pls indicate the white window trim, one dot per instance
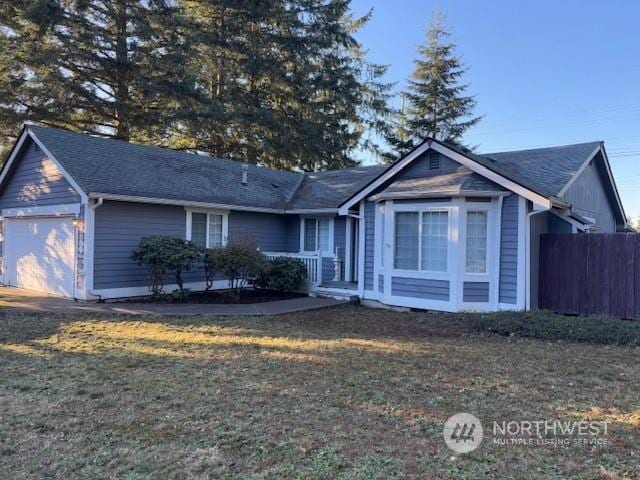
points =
(419, 208)
(456, 274)
(473, 209)
(330, 246)
(225, 223)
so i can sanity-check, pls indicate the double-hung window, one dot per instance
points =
(422, 240)
(317, 234)
(476, 255)
(207, 229)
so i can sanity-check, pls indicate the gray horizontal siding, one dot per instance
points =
(509, 250)
(293, 233)
(369, 243)
(268, 230)
(558, 225)
(419, 168)
(381, 283)
(589, 198)
(119, 227)
(475, 292)
(35, 181)
(420, 288)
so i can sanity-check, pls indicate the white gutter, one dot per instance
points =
(218, 206)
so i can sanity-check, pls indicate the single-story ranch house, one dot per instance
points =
(438, 229)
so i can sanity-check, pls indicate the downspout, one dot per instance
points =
(527, 270)
(496, 289)
(93, 207)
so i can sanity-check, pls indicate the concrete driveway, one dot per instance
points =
(17, 299)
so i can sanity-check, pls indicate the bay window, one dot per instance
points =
(317, 234)
(422, 240)
(476, 247)
(207, 229)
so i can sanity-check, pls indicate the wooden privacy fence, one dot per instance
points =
(590, 274)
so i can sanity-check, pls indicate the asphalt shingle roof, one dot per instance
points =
(115, 167)
(332, 188)
(543, 170)
(462, 180)
(546, 170)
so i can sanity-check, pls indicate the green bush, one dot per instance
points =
(164, 254)
(180, 295)
(551, 326)
(240, 261)
(282, 274)
(213, 258)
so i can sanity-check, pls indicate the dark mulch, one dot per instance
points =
(222, 296)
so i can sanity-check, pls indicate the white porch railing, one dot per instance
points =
(313, 262)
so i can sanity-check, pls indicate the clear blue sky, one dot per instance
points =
(544, 72)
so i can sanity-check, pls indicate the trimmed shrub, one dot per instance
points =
(282, 274)
(212, 265)
(180, 295)
(551, 326)
(240, 261)
(163, 254)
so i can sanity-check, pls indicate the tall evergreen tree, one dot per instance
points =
(108, 67)
(282, 83)
(286, 83)
(435, 104)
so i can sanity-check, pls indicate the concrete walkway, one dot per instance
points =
(29, 301)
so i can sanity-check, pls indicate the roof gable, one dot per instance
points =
(34, 179)
(539, 175)
(547, 170)
(128, 171)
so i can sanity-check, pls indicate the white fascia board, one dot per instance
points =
(613, 184)
(584, 165)
(388, 174)
(66, 175)
(565, 215)
(43, 211)
(182, 203)
(474, 166)
(304, 211)
(16, 150)
(493, 176)
(207, 205)
(452, 193)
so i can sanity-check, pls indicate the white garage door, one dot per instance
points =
(40, 254)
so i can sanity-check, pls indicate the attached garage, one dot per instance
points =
(40, 254)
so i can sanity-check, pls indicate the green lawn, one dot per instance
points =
(348, 393)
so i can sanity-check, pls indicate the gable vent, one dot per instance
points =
(434, 161)
(36, 147)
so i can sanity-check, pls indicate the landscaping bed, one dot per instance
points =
(246, 296)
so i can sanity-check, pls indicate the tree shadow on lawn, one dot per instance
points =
(351, 380)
